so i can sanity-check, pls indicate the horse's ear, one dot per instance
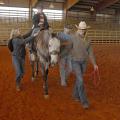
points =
(53, 35)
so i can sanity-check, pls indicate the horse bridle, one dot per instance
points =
(54, 52)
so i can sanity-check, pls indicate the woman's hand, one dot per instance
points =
(35, 34)
(40, 24)
(95, 67)
(32, 26)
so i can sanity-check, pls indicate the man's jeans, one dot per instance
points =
(79, 68)
(19, 68)
(65, 69)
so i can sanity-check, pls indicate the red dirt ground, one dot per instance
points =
(29, 104)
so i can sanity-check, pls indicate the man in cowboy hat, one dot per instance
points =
(81, 51)
(65, 61)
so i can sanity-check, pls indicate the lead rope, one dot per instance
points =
(95, 75)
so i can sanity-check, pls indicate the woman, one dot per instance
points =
(18, 54)
(81, 51)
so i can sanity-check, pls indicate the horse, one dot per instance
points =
(47, 53)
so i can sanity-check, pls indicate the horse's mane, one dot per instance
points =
(43, 38)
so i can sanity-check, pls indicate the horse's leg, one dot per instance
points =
(45, 79)
(46, 82)
(37, 68)
(32, 66)
(42, 68)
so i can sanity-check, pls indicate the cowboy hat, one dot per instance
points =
(82, 25)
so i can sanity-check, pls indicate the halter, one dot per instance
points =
(54, 52)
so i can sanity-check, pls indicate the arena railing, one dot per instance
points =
(98, 36)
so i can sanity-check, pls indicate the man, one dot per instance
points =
(81, 51)
(65, 61)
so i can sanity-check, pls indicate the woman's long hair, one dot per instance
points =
(15, 32)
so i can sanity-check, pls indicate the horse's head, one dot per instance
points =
(54, 49)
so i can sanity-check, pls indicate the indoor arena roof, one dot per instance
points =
(73, 5)
(97, 5)
(89, 5)
(14, 3)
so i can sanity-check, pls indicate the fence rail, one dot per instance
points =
(101, 36)
(96, 36)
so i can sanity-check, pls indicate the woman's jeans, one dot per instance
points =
(79, 68)
(19, 68)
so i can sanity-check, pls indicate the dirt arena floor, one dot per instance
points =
(29, 104)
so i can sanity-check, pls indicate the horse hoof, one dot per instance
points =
(46, 96)
(43, 86)
(36, 74)
(33, 79)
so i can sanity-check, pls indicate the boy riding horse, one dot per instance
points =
(39, 23)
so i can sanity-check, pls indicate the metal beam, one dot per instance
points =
(105, 3)
(82, 6)
(89, 1)
(116, 5)
(79, 9)
(87, 4)
(70, 3)
(55, 1)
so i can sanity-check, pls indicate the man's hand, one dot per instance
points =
(65, 43)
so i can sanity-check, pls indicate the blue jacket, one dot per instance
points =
(65, 50)
(36, 20)
(19, 46)
(63, 37)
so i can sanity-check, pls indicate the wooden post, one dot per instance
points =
(30, 10)
(65, 13)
